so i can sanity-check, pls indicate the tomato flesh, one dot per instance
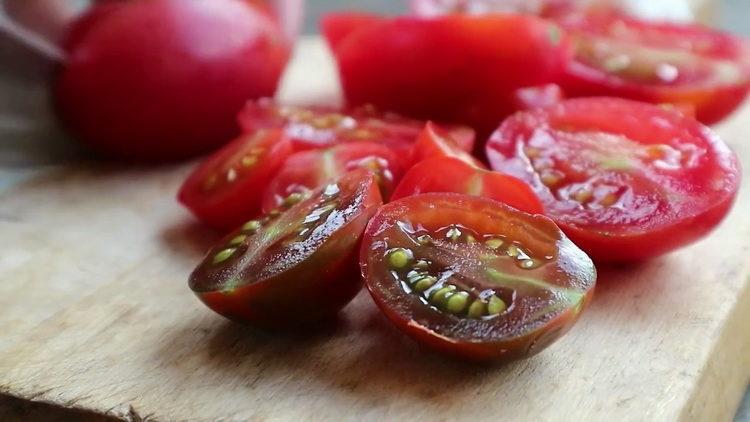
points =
(538, 97)
(625, 180)
(306, 170)
(162, 80)
(448, 174)
(658, 63)
(321, 127)
(294, 267)
(461, 69)
(474, 278)
(435, 141)
(336, 27)
(223, 191)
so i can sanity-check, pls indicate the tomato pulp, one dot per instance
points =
(625, 180)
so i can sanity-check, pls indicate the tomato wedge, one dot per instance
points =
(457, 68)
(658, 63)
(338, 26)
(321, 127)
(223, 191)
(448, 174)
(435, 141)
(474, 278)
(625, 180)
(294, 267)
(306, 170)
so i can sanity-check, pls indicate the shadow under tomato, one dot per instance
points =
(189, 240)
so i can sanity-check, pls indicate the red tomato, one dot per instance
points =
(320, 127)
(659, 63)
(306, 170)
(461, 69)
(538, 97)
(88, 20)
(448, 174)
(472, 277)
(338, 26)
(163, 79)
(625, 180)
(296, 267)
(226, 189)
(434, 141)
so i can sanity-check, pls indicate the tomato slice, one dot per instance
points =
(448, 174)
(306, 170)
(658, 63)
(625, 180)
(321, 127)
(294, 267)
(338, 26)
(434, 141)
(472, 277)
(224, 190)
(456, 68)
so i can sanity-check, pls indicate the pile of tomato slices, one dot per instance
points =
(481, 261)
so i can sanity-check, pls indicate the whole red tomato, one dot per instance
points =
(159, 80)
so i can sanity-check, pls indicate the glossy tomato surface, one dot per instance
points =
(304, 171)
(658, 63)
(625, 180)
(449, 174)
(457, 68)
(474, 278)
(226, 189)
(320, 127)
(338, 26)
(296, 267)
(156, 80)
(538, 96)
(435, 141)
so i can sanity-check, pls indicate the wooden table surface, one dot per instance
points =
(96, 315)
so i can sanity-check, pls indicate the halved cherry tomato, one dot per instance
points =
(658, 63)
(306, 170)
(294, 267)
(449, 174)
(538, 97)
(461, 69)
(338, 26)
(158, 80)
(434, 141)
(472, 277)
(625, 180)
(320, 127)
(226, 189)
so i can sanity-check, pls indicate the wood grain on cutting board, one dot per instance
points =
(96, 314)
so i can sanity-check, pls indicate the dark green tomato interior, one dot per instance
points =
(314, 230)
(489, 274)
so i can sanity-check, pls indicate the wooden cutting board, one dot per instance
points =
(96, 314)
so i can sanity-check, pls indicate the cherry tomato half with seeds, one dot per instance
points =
(625, 180)
(435, 141)
(472, 277)
(457, 68)
(292, 267)
(658, 63)
(225, 190)
(449, 174)
(306, 170)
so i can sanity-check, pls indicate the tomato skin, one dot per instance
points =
(226, 207)
(338, 26)
(482, 61)
(430, 176)
(306, 170)
(160, 80)
(288, 286)
(663, 206)
(78, 29)
(712, 99)
(471, 339)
